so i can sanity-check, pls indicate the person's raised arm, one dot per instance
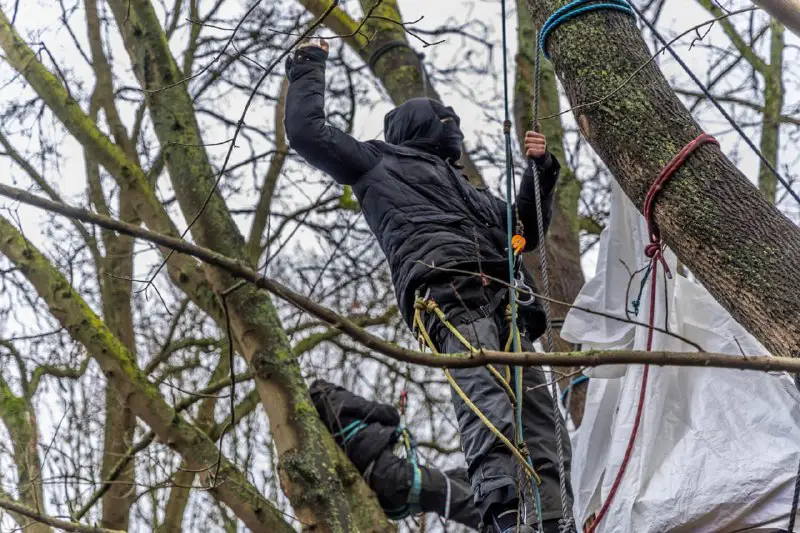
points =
(549, 168)
(322, 145)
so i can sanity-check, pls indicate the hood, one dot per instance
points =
(418, 123)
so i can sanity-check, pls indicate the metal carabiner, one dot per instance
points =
(525, 297)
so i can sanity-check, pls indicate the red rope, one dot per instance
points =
(655, 251)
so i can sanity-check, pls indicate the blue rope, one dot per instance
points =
(572, 10)
(573, 383)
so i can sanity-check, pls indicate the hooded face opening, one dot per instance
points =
(427, 125)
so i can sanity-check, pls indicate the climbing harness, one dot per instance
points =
(430, 306)
(655, 252)
(349, 431)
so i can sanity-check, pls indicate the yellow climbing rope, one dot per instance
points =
(431, 306)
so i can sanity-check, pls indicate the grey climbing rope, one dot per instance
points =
(567, 522)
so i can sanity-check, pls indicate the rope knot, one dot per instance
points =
(429, 306)
(653, 250)
(506, 127)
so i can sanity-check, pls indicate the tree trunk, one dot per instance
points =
(738, 245)
(120, 424)
(563, 244)
(17, 415)
(773, 105)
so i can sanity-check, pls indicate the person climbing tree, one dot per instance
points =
(368, 432)
(430, 222)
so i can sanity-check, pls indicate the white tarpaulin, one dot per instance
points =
(717, 450)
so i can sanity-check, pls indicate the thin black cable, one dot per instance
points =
(795, 499)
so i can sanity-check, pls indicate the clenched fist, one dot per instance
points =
(535, 145)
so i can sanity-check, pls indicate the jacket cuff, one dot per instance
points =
(544, 161)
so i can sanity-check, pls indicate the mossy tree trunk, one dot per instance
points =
(737, 243)
(18, 416)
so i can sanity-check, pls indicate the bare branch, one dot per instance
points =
(64, 525)
(461, 360)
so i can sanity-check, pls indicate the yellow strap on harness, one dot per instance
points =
(432, 307)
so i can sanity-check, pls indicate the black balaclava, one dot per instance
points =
(417, 123)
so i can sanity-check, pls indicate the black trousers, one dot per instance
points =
(493, 471)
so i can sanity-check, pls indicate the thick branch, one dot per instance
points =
(264, 205)
(773, 103)
(241, 271)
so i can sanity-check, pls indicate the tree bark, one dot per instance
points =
(18, 416)
(773, 105)
(120, 423)
(737, 244)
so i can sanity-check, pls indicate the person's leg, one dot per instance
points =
(392, 477)
(539, 432)
(491, 467)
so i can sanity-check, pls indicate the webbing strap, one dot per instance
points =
(350, 430)
(413, 505)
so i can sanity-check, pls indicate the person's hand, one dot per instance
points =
(314, 43)
(535, 145)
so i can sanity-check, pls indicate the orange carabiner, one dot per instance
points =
(518, 243)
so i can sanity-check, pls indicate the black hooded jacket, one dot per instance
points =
(421, 209)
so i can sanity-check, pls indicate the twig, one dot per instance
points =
(64, 525)
(240, 123)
